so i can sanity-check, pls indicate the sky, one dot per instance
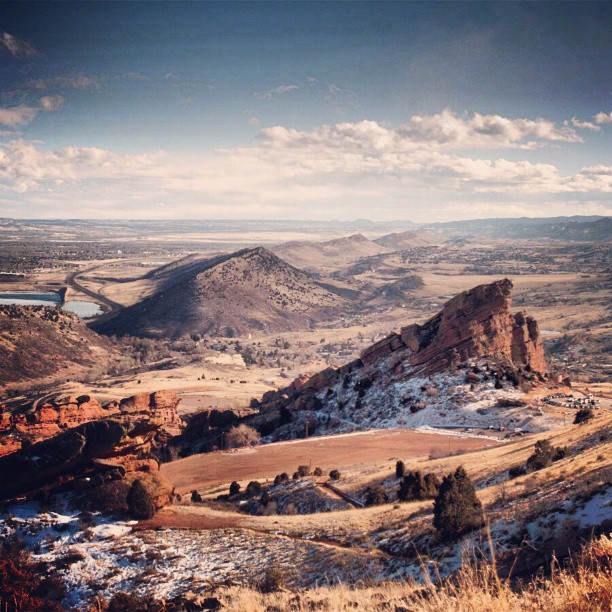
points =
(422, 111)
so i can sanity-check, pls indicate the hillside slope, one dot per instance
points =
(406, 240)
(37, 342)
(248, 292)
(332, 253)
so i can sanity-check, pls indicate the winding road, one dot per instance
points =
(71, 281)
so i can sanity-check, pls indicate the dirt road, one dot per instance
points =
(327, 452)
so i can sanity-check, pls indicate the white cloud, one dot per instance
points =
(254, 121)
(344, 169)
(51, 103)
(17, 115)
(277, 91)
(584, 125)
(17, 47)
(603, 118)
(24, 114)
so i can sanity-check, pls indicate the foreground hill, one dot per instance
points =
(38, 342)
(332, 253)
(248, 292)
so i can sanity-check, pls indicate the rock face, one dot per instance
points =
(124, 440)
(476, 323)
(68, 412)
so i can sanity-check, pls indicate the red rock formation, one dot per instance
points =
(69, 412)
(474, 324)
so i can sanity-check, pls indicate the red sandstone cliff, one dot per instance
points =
(474, 324)
(68, 412)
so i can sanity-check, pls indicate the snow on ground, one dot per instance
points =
(102, 556)
(374, 398)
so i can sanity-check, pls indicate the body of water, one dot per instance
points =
(84, 310)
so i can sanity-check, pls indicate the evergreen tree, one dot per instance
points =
(416, 486)
(234, 488)
(400, 469)
(457, 509)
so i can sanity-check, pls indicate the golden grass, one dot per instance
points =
(585, 584)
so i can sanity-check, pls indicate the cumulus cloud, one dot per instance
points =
(24, 114)
(603, 118)
(16, 47)
(17, 115)
(338, 169)
(445, 130)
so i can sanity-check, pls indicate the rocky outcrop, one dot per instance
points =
(68, 412)
(92, 453)
(476, 324)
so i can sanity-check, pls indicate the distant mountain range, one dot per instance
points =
(574, 229)
(593, 228)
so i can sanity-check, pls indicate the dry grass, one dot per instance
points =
(584, 584)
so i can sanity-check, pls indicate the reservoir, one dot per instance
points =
(83, 310)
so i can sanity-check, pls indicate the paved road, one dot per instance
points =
(72, 281)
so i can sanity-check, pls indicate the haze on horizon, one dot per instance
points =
(415, 111)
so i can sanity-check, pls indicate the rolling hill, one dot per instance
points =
(247, 292)
(331, 253)
(406, 240)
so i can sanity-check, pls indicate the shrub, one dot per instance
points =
(516, 471)
(281, 478)
(318, 472)
(22, 586)
(253, 489)
(375, 496)
(141, 504)
(457, 509)
(334, 475)
(196, 497)
(544, 455)
(234, 488)
(400, 469)
(416, 486)
(303, 470)
(584, 415)
(265, 498)
(241, 435)
(272, 581)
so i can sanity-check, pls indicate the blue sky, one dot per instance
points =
(423, 111)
